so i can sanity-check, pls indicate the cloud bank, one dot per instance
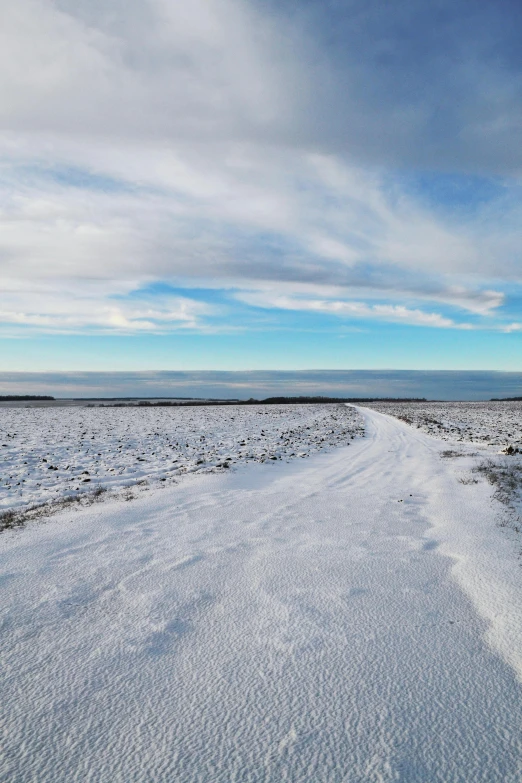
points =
(445, 385)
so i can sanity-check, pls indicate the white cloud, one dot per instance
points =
(52, 307)
(207, 228)
(195, 129)
(142, 68)
(396, 313)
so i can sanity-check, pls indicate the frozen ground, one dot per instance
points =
(352, 617)
(494, 428)
(496, 424)
(48, 453)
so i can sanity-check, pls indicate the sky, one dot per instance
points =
(258, 185)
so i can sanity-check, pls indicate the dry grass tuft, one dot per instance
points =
(506, 477)
(13, 518)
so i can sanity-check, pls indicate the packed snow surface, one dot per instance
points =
(50, 452)
(488, 423)
(296, 623)
(494, 429)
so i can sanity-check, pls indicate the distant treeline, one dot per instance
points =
(24, 397)
(506, 399)
(286, 400)
(130, 399)
(267, 401)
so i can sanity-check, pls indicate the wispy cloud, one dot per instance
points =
(222, 144)
(385, 312)
(53, 308)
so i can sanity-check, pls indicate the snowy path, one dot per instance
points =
(284, 623)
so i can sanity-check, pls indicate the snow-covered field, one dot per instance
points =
(355, 617)
(50, 452)
(493, 428)
(490, 423)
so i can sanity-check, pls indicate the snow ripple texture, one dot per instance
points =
(47, 453)
(488, 423)
(296, 625)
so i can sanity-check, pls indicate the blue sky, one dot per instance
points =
(235, 185)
